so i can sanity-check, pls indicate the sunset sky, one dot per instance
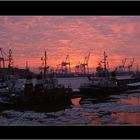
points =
(29, 36)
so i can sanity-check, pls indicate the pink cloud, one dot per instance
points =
(29, 36)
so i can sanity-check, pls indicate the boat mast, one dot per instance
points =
(137, 68)
(45, 60)
(44, 66)
(105, 60)
(27, 66)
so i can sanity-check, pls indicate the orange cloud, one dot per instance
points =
(29, 36)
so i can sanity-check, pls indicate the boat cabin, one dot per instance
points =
(123, 80)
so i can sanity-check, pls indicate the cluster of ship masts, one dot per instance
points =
(121, 68)
(83, 67)
(65, 66)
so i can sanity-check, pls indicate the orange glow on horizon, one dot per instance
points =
(30, 36)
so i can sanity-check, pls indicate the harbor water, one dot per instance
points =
(118, 109)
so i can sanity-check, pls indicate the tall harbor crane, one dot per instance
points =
(127, 65)
(131, 65)
(121, 68)
(4, 57)
(64, 67)
(77, 67)
(11, 62)
(83, 67)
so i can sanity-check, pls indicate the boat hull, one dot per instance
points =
(98, 91)
(38, 103)
(3, 91)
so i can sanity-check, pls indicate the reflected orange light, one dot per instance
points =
(131, 101)
(75, 101)
(132, 118)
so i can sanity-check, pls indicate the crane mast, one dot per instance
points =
(2, 61)
(4, 57)
(10, 64)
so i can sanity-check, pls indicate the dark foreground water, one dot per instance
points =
(110, 110)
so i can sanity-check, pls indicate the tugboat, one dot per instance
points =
(45, 91)
(41, 96)
(104, 82)
(47, 87)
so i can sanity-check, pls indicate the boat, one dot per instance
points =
(39, 105)
(100, 89)
(28, 87)
(133, 86)
(104, 82)
(46, 90)
(9, 86)
(3, 87)
(49, 88)
(46, 93)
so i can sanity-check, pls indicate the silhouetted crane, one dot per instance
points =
(130, 65)
(83, 67)
(122, 67)
(65, 65)
(4, 57)
(77, 67)
(11, 62)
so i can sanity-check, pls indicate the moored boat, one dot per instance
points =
(133, 86)
(28, 88)
(39, 95)
(103, 83)
(3, 87)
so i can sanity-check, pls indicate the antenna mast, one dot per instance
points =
(45, 61)
(10, 65)
(105, 60)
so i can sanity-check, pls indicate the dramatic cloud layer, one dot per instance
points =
(29, 36)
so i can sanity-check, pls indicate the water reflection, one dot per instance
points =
(75, 101)
(132, 100)
(3, 116)
(81, 111)
(95, 100)
(101, 117)
(127, 118)
(44, 107)
(95, 118)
